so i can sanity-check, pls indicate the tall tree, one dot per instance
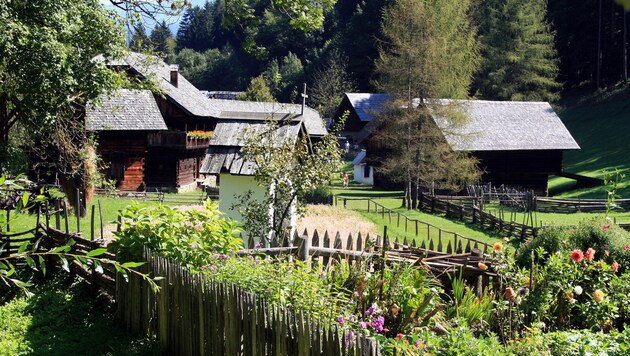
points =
(48, 73)
(196, 30)
(520, 61)
(429, 51)
(330, 83)
(140, 41)
(162, 39)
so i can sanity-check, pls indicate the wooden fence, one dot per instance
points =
(572, 205)
(192, 315)
(431, 237)
(476, 216)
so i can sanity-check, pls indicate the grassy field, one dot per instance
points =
(391, 199)
(110, 207)
(601, 129)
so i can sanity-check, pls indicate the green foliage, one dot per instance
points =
(257, 91)
(162, 39)
(519, 58)
(612, 181)
(429, 51)
(65, 317)
(319, 195)
(330, 83)
(285, 169)
(190, 237)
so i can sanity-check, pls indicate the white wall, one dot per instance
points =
(359, 175)
(229, 185)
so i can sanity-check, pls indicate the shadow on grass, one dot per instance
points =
(69, 319)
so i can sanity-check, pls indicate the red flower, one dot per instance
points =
(399, 336)
(605, 227)
(577, 255)
(615, 267)
(590, 254)
(627, 248)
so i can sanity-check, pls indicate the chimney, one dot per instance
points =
(174, 74)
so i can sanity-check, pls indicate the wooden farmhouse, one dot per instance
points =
(241, 118)
(517, 143)
(153, 140)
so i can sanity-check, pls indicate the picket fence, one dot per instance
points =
(192, 315)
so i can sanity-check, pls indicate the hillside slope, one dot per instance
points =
(602, 129)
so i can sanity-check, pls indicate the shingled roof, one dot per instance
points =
(366, 105)
(125, 110)
(185, 95)
(223, 154)
(252, 110)
(493, 125)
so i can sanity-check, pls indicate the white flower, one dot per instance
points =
(540, 325)
(577, 290)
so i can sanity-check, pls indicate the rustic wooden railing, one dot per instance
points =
(431, 237)
(192, 315)
(476, 216)
(571, 205)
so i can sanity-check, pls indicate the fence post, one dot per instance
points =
(305, 248)
(92, 223)
(57, 216)
(344, 202)
(119, 225)
(100, 216)
(65, 212)
(78, 211)
(8, 220)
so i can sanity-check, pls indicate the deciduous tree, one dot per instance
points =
(429, 51)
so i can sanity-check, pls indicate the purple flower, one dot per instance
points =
(341, 320)
(356, 293)
(223, 257)
(420, 344)
(351, 318)
(371, 310)
(522, 291)
(258, 245)
(378, 324)
(363, 324)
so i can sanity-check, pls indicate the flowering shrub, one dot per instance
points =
(190, 237)
(198, 134)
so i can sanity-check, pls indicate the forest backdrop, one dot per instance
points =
(531, 49)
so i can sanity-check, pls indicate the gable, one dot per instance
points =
(125, 110)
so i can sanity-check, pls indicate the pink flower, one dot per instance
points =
(615, 267)
(363, 324)
(577, 255)
(399, 336)
(341, 320)
(605, 227)
(590, 254)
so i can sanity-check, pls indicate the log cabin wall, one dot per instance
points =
(124, 153)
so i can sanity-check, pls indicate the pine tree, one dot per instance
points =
(429, 51)
(196, 30)
(520, 59)
(140, 40)
(162, 39)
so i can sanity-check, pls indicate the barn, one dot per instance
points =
(172, 154)
(517, 143)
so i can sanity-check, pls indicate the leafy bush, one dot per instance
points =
(63, 317)
(319, 195)
(610, 242)
(190, 237)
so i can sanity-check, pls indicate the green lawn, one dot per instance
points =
(601, 129)
(110, 207)
(429, 226)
